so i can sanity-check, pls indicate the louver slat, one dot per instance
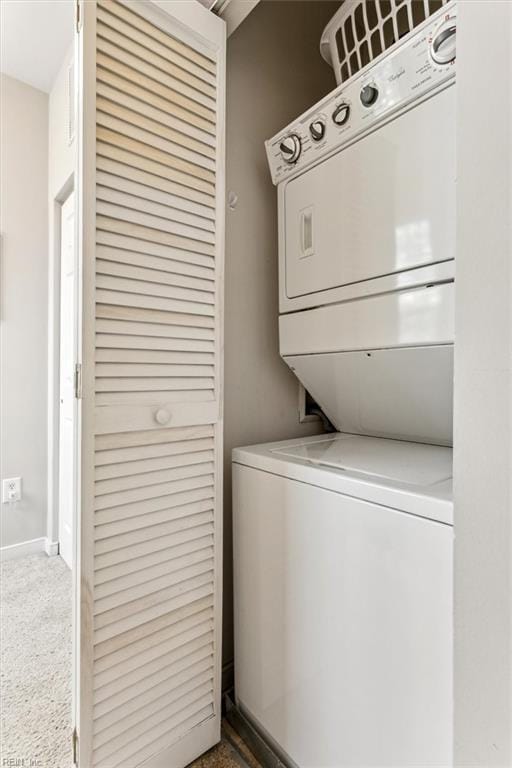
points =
(147, 726)
(127, 223)
(132, 41)
(155, 70)
(146, 647)
(185, 173)
(170, 44)
(185, 71)
(144, 547)
(153, 596)
(126, 100)
(174, 207)
(131, 718)
(130, 92)
(142, 679)
(199, 452)
(127, 165)
(137, 127)
(186, 108)
(192, 553)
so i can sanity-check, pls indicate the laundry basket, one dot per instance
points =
(362, 29)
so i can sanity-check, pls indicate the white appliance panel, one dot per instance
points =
(382, 205)
(405, 74)
(402, 393)
(343, 626)
(418, 466)
(422, 316)
(413, 477)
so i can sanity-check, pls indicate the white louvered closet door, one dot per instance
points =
(151, 220)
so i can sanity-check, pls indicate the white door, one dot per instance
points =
(67, 375)
(151, 218)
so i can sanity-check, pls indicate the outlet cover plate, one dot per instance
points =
(11, 490)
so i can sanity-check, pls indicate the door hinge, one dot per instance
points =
(78, 16)
(74, 740)
(78, 381)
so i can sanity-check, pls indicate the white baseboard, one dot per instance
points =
(22, 549)
(51, 547)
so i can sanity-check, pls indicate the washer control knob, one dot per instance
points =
(443, 45)
(290, 148)
(369, 95)
(341, 114)
(317, 130)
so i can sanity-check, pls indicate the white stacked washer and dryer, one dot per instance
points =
(343, 541)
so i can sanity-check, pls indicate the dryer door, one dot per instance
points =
(383, 205)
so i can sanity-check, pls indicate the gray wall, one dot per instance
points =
(23, 280)
(274, 72)
(483, 388)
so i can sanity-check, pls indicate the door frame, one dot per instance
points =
(54, 273)
(54, 267)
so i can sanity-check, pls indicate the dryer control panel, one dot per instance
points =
(408, 72)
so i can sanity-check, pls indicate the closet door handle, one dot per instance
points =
(162, 416)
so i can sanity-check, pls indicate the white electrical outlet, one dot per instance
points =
(11, 490)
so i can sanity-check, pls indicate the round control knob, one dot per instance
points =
(369, 95)
(290, 148)
(317, 130)
(341, 114)
(443, 45)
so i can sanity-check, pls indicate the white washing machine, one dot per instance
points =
(343, 544)
(343, 600)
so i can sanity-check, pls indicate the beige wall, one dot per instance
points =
(37, 163)
(483, 388)
(274, 72)
(23, 281)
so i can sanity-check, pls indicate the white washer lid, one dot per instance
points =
(396, 460)
(409, 477)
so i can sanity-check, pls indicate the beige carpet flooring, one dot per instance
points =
(35, 662)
